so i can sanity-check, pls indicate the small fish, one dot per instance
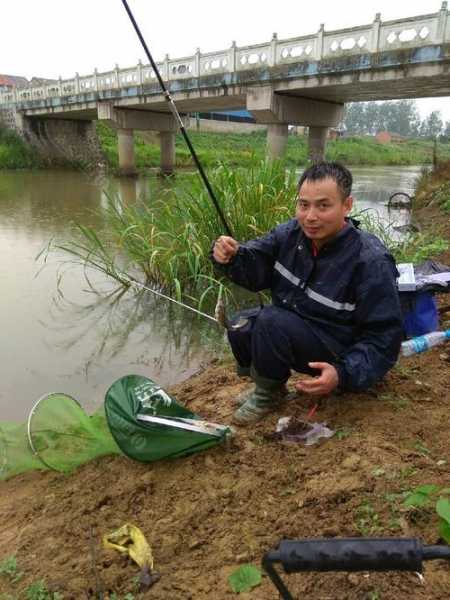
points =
(220, 313)
(221, 316)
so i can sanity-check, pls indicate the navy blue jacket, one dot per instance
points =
(347, 293)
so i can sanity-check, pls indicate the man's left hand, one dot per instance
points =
(325, 383)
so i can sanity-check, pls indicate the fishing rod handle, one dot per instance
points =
(350, 554)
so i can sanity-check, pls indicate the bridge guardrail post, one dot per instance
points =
(442, 23)
(117, 75)
(273, 50)
(319, 42)
(375, 43)
(95, 78)
(232, 57)
(77, 83)
(197, 63)
(139, 72)
(166, 68)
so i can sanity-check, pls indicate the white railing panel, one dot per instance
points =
(252, 57)
(295, 50)
(354, 41)
(408, 33)
(215, 62)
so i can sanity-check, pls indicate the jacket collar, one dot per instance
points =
(347, 233)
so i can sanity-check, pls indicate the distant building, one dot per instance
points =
(233, 116)
(38, 81)
(386, 137)
(9, 82)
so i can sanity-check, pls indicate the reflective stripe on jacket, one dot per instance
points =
(347, 293)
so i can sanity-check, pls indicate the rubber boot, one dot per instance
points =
(266, 397)
(242, 371)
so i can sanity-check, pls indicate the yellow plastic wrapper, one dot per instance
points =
(130, 540)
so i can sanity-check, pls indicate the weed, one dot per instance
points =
(8, 568)
(422, 499)
(342, 433)
(400, 403)
(367, 519)
(39, 591)
(422, 449)
(374, 595)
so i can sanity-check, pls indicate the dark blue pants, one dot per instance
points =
(276, 340)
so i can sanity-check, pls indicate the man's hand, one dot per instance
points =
(325, 383)
(224, 249)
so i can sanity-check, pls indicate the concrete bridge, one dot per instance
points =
(300, 81)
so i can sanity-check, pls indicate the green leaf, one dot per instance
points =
(244, 579)
(416, 500)
(427, 489)
(443, 509)
(444, 531)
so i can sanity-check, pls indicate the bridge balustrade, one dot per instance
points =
(376, 37)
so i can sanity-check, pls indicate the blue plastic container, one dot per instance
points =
(420, 313)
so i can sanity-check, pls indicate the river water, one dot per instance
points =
(59, 335)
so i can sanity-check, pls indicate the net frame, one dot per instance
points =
(32, 413)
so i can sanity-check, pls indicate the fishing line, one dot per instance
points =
(137, 284)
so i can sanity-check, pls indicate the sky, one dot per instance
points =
(49, 38)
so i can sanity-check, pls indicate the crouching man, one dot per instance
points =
(335, 312)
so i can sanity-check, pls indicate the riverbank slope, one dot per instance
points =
(206, 515)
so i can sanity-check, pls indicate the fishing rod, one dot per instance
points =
(220, 309)
(179, 120)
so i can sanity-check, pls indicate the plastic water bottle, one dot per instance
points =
(424, 342)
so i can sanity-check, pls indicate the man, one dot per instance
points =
(335, 311)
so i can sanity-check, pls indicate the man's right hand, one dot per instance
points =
(225, 248)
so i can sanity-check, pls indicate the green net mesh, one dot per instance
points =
(59, 435)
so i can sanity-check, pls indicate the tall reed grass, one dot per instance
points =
(169, 240)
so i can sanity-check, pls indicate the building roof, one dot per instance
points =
(13, 81)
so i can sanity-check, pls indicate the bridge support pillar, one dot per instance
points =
(277, 137)
(125, 138)
(167, 146)
(316, 143)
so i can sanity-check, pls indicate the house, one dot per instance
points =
(386, 137)
(9, 82)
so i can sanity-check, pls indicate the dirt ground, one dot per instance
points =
(206, 515)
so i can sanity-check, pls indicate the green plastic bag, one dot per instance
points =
(148, 425)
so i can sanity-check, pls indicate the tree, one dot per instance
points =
(432, 126)
(399, 116)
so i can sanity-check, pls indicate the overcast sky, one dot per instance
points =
(49, 38)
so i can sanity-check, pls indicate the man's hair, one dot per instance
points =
(329, 170)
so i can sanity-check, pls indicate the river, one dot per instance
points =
(59, 334)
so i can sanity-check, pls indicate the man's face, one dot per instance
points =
(321, 210)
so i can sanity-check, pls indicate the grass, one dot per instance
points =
(433, 187)
(232, 149)
(170, 240)
(9, 569)
(15, 153)
(244, 150)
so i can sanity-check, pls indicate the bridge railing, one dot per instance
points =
(376, 37)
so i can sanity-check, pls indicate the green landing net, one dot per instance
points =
(138, 419)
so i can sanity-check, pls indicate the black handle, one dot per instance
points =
(349, 554)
